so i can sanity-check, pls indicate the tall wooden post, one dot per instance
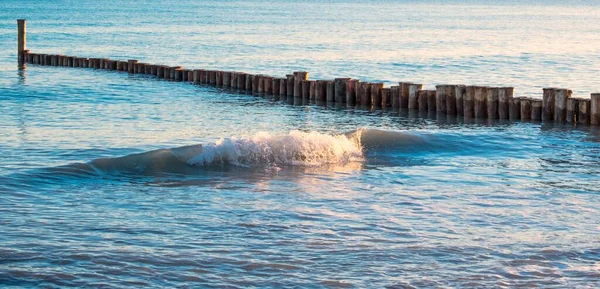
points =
(560, 104)
(21, 40)
(492, 102)
(451, 101)
(351, 92)
(595, 109)
(548, 103)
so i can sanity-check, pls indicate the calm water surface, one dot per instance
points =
(116, 181)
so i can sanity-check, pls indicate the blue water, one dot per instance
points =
(109, 180)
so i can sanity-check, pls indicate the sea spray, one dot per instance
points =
(293, 149)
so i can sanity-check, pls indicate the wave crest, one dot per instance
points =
(264, 149)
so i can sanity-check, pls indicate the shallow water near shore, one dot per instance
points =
(116, 181)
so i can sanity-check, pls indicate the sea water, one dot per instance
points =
(109, 180)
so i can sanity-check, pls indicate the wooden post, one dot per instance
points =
(233, 80)
(256, 81)
(160, 71)
(460, 91)
(131, 65)
(431, 100)
(283, 88)
(548, 103)
(376, 94)
(268, 89)
(404, 93)
(440, 98)
(395, 97)
(386, 95)
(492, 102)
(225, 77)
(306, 90)
(341, 84)
(312, 93)
(330, 91)
(319, 95)
(275, 83)
(451, 99)
(422, 96)
(21, 41)
(595, 109)
(258, 86)
(299, 77)
(190, 75)
(572, 110)
(560, 104)
(212, 77)
(536, 109)
(290, 85)
(505, 94)
(514, 110)
(583, 112)
(242, 81)
(218, 78)
(365, 94)
(351, 92)
(413, 96)
(525, 108)
(480, 97)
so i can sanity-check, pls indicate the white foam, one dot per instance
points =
(293, 149)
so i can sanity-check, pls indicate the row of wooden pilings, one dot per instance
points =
(479, 102)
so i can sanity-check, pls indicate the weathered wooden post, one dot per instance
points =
(395, 97)
(440, 101)
(320, 91)
(548, 103)
(276, 85)
(340, 89)
(505, 94)
(413, 97)
(260, 84)
(365, 94)
(595, 109)
(560, 104)
(312, 90)
(525, 108)
(386, 95)
(242, 81)
(290, 85)
(460, 91)
(21, 41)
(131, 65)
(225, 79)
(196, 76)
(160, 71)
(431, 100)
(283, 88)
(330, 91)
(249, 81)
(583, 112)
(256, 81)
(351, 92)
(514, 110)
(306, 90)
(376, 94)
(480, 97)
(451, 99)
(268, 88)
(572, 110)
(404, 93)
(299, 76)
(492, 102)
(536, 109)
(422, 96)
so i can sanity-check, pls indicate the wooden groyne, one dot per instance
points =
(470, 102)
